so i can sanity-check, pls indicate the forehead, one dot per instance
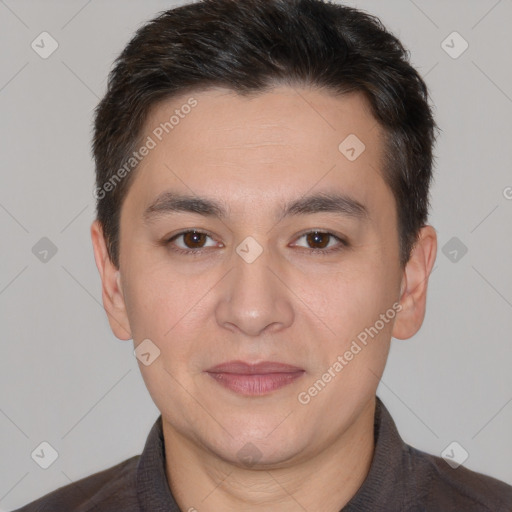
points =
(282, 116)
(249, 149)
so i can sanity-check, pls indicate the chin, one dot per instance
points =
(261, 447)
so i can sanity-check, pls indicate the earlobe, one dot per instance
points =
(112, 295)
(413, 290)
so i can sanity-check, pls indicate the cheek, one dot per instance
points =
(349, 300)
(155, 300)
(169, 309)
(362, 337)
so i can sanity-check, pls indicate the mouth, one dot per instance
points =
(254, 379)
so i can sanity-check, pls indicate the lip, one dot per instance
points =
(254, 379)
(264, 367)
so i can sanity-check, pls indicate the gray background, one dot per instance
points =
(67, 380)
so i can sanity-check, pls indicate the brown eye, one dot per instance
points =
(194, 239)
(191, 241)
(319, 242)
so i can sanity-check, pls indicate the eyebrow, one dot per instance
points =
(339, 204)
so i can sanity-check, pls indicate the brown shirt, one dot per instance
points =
(401, 478)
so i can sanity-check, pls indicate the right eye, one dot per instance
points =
(193, 241)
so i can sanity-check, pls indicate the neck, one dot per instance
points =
(201, 481)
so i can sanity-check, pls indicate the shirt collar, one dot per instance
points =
(153, 490)
(380, 488)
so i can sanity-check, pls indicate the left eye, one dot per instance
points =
(320, 239)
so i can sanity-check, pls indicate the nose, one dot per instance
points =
(254, 299)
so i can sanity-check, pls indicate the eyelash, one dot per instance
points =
(197, 252)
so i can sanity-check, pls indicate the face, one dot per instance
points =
(247, 267)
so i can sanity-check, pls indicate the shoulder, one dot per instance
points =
(101, 492)
(446, 488)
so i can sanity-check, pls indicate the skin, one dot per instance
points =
(290, 305)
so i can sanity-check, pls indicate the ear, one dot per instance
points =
(413, 295)
(112, 294)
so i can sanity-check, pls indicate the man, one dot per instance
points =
(263, 172)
